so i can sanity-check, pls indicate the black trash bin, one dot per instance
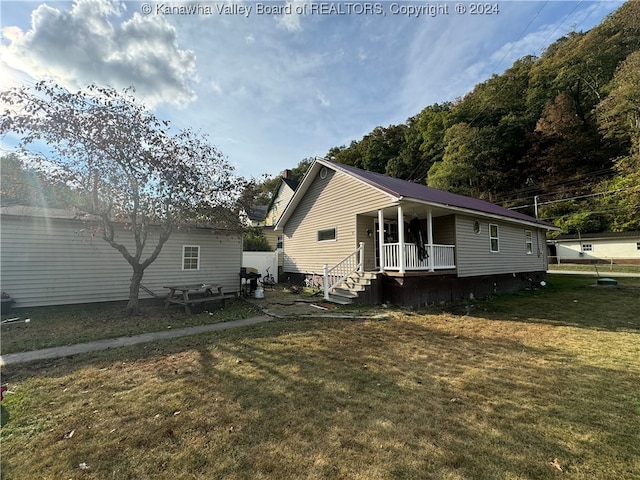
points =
(6, 302)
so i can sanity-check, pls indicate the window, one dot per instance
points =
(279, 243)
(637, 245)
(191, 257)
(326, 235)
(528, 241)
(587, 247)
(493, 238)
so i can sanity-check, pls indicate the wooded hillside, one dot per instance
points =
(563, 129)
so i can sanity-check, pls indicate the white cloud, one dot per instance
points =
(215, 87)
(323, 99)
(294, 11)
(86, 44)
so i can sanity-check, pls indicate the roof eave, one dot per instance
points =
(494, 216)
(303, 186)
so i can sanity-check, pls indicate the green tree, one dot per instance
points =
(299, 170)
(619, 117)
(423, 144)
(21, 185)
(457, 171)
(409, 157)
(126, 167)
(253, 240)
(351, 155)
(619, 112)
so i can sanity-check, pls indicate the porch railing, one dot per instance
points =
(333, 276)
(443, 257)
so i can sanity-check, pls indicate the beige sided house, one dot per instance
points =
(373, 238)
(49, 257)
(279, 201)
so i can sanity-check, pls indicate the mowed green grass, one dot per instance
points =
(537, 385)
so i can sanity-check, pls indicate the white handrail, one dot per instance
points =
(333, 276)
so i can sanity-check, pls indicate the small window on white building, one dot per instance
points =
(638, 245)
(528, 241)
(587, 247)
(191, 257)
(326, 235)
(494, 238)
(279, 244)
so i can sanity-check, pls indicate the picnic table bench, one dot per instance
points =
(189, 295)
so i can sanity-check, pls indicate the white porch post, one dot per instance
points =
(361, 258)
(325, 281)
(401, 252)
(430, 240)
(381, 238)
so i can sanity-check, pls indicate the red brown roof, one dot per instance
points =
(416, 191)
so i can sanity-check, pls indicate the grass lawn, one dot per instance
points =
(70, 324)
(537, 385)
(603, 269)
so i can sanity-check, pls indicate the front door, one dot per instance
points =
(390, 236)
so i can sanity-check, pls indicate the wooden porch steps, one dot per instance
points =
(348, 291)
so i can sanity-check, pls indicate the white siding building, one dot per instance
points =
(50, 257)
(616, 247)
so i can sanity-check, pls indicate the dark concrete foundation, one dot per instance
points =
(420, 291)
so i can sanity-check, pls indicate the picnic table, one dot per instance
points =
(189, 295)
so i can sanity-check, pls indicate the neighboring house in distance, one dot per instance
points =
(281, 198)
(408, 244)
(608, 247)
(49, 257)
(266, 216)
(256, 215)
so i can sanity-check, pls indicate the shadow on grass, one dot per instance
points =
(4, 416)
(408, 398)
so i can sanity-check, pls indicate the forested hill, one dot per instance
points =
(559, 126)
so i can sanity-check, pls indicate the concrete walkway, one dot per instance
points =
(68, 350)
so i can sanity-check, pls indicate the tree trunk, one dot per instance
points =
(133, 306)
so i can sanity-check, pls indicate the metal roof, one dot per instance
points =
(599, 236)
(404, 190)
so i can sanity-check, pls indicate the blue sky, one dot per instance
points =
(270, 90)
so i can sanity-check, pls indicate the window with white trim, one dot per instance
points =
(190, 257)
(528, 239)
(494, 239)
(587, 247)
(327, 235)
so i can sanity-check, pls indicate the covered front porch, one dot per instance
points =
(413, 238)
(401, 240)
